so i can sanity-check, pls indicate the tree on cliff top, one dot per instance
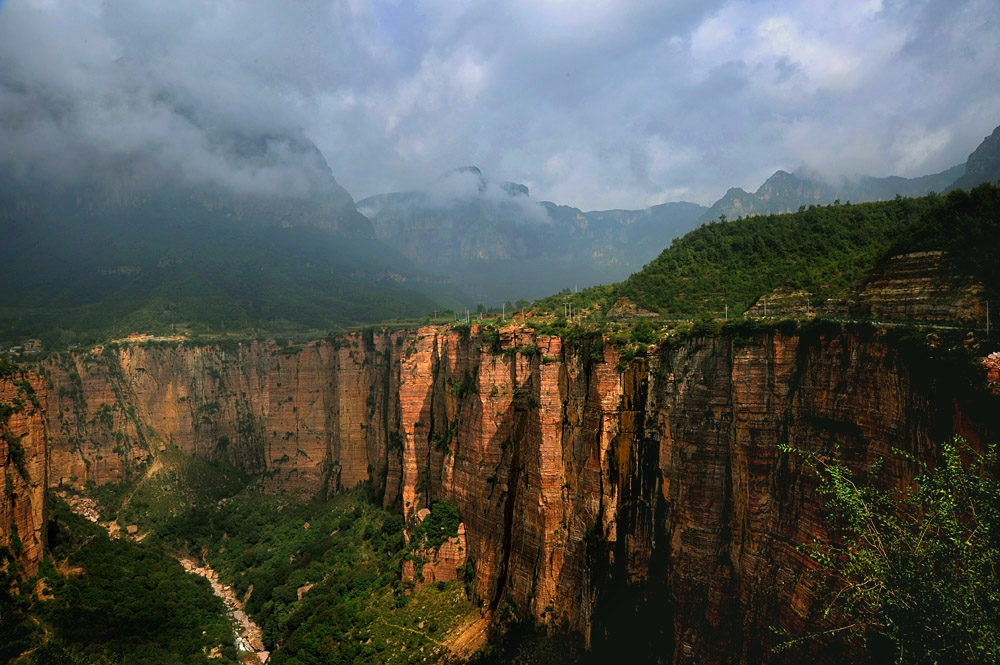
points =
(920, 567)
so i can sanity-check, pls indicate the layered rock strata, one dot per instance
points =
(24, 466)
(919, 286)
(647, 506)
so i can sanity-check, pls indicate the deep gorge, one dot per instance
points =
(644, 506)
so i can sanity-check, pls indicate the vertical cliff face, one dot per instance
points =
(308, 418)
(652, 510)
(646, 506)
(24, 466)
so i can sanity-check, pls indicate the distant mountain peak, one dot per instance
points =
(499, 244)
(463, 170)
(985, 159)
(784, 182)
(786, 192)
(983, 164)
(515, 189)
(466, 169)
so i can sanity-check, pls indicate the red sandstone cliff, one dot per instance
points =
(23, 464)
(654, 509)
(650, 510)
(429, 564)
(309, 417)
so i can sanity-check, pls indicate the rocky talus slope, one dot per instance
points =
(645, 505)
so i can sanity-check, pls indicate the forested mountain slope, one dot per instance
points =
(822, 251)
(120, 250)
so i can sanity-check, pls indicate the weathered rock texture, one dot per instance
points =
(783, 301)
(24, 467)
(992, 364)
(310, 418)
(650, 510)
(440, 564)
(920, 286)
(626, 309)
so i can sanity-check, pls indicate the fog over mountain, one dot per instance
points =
(501, 244)
(607, 105)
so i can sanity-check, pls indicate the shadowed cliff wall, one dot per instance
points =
(24, 468)
(648, 508)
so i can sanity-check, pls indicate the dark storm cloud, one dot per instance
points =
(595, 104)
(202, 91)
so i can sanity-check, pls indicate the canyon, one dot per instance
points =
(650, 506)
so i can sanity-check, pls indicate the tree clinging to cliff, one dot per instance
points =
(919, 568)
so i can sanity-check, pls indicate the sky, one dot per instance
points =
(597, 104)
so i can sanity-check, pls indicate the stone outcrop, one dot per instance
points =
(441, 564)
(992, 364)
(626, 309)
(24, 467)
(920, 286)
(651, 510)
(783, 301)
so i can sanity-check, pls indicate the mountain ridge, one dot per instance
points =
(128, 246)
(786, 192)
(503, 245)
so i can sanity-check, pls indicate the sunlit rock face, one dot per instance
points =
(646, 506)
(919, 286)
(24, 467)
(304, 418)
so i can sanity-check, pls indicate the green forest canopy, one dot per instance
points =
(822, 250)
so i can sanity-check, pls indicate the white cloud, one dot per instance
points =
(597, 104)
(916, 147)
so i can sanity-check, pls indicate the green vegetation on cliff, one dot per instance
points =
(915, 573)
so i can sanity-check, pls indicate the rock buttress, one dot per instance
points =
(24, 466)
(652, 509)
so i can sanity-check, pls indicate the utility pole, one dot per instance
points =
(503, 310)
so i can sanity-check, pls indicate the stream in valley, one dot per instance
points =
(246, 633)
